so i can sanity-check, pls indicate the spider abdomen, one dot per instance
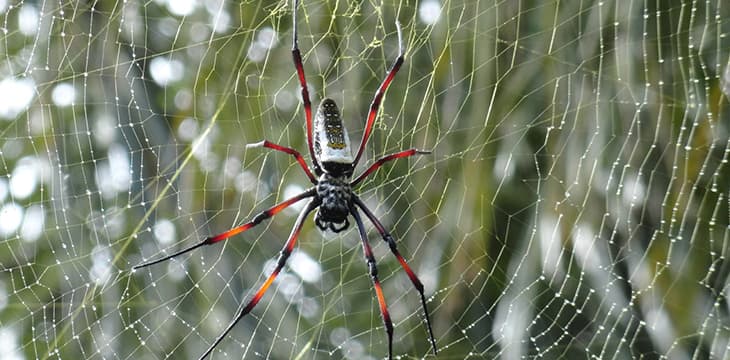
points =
(331, 143)
(335, 196)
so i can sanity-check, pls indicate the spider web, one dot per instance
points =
(576, 203)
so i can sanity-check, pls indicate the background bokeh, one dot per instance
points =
(576, 203)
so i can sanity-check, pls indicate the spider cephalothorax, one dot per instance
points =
(335, 196)
(332, 195)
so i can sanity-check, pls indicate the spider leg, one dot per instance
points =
(297, 56)
(373, 270)
(411, 275)
(288, 150)
(376, 165)
(283, 256)
(375, 105)
(236, 230)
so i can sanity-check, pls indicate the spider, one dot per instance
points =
(332, 194)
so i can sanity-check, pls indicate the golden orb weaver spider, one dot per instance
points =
(331, 195)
